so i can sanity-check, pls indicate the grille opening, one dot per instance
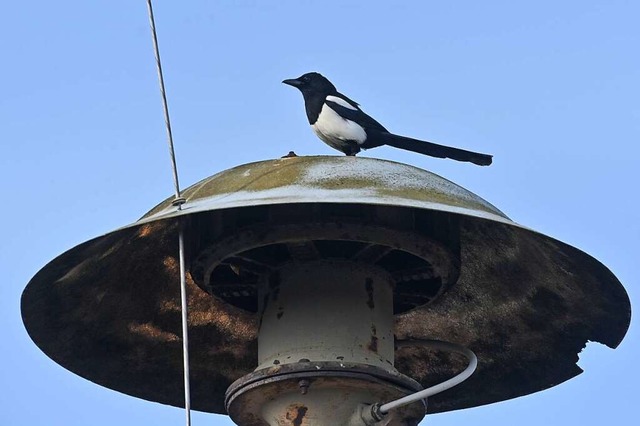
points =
(237, 277)
(235, 249)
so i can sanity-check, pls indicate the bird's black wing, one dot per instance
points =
(370, 126)
(356, 115)
(346, 99)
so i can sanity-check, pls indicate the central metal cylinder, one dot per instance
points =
(325, 349)
(327, 311)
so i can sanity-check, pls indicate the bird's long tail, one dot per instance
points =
(435, 150)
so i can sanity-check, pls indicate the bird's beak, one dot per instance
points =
(292, 82)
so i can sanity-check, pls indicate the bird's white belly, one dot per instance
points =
(335, 131)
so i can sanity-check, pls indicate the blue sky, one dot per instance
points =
(550, 88)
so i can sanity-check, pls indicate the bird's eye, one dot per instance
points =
(305, 79)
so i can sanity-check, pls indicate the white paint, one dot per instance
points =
(341, 102)
(335, 131)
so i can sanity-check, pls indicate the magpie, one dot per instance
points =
(340, 123)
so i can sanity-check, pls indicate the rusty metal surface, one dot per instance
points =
(332, 394)
(526, 304)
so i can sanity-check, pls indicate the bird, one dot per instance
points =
(340, 123)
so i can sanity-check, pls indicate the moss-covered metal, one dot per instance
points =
(326, 179)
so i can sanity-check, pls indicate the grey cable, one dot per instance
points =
(185, 330)
(438, 345)
(165, 105)
(178, 203)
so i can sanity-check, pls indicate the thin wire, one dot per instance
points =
(185, 331)
(178, 202)
(165, 105)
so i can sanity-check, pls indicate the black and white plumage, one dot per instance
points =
(340, 123)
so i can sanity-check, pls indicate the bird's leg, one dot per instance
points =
(351, 149)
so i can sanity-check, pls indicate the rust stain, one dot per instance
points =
(368, 285)
(373, 344)
(296, 414)
(275, 369)
(145, 230)
(170, 263)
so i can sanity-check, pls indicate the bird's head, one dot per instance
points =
(312, 83)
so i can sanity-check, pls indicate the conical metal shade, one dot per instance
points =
(526, 304)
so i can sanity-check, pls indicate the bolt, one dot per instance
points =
(304, 386)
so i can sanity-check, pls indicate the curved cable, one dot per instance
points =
(456, 380)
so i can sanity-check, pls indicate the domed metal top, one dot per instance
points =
(328, 179)
(526, 303)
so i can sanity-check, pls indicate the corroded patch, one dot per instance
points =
(368, 286)
(295, 414)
